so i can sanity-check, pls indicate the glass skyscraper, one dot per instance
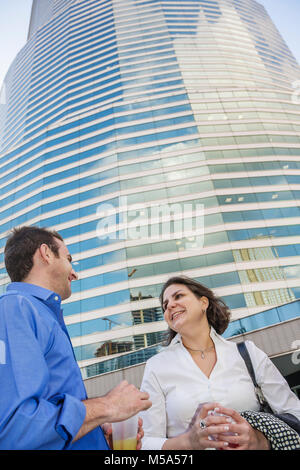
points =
(158, 137)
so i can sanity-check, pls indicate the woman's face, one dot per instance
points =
(182, 309)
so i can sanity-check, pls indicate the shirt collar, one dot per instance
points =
(50, 298)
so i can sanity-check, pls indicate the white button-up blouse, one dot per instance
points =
(177, 386)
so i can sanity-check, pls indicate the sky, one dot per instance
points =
(15, 16)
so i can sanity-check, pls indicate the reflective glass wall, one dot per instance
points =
(158, 137)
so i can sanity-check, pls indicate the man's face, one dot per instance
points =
(62, 272)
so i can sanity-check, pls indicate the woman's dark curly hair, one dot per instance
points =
(218, 314)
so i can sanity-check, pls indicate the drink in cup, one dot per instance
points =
(124, 434)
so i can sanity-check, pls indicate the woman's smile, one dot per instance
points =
(176, 314)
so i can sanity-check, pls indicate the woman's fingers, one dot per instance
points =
(218, 444)
(206, 408)
(213, 420)
(216, 430)
(231, 413)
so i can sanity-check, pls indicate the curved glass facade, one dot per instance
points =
(157, 137)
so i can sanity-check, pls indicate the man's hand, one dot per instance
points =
(119, 404)
(124, 401)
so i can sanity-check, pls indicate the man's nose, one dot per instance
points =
(74, 275)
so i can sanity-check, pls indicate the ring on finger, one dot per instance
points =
(202, 424)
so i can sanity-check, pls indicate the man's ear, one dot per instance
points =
(45, 253)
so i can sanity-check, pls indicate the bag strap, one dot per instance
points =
(246, 356)
(258, 391)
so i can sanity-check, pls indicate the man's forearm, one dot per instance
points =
(96, 414)
(122, 402)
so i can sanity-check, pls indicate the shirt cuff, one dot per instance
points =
(153, 443)
(71, 416)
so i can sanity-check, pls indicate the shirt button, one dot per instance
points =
(56, 298)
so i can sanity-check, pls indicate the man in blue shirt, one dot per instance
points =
(43, 403)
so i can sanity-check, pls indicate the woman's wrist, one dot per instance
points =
(181, 442)
(188, 441)
(262, 442)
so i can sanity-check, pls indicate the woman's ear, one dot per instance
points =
(205, 301)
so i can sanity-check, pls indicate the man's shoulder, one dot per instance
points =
(14, 297)
(26, 313)
(14, 303)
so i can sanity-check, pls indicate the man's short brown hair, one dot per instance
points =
(21, 246)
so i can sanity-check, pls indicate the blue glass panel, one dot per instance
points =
(234, 235)
(234, 328)
(278, 231)
(271, 213)
(95, 303)
(291, 272)
(296, 292)
(125, 360)
(229, 217)
(220, 258)
(235, 301)
(261, 320)
(100, 324)
(252, 215)
(288, 311)
(287, 250)
(206, 281)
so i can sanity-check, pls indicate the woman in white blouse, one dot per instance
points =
(199, 366)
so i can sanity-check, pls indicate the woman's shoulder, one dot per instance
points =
(258, 356)
(255, 352)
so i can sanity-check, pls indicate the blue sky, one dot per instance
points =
(14, 22)
(15, 15)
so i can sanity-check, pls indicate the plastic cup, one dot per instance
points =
(124, 434)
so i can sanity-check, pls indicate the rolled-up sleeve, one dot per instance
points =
(154, 419)
(71, 416)
(30, 419)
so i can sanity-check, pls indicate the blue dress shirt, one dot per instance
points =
(41, 385)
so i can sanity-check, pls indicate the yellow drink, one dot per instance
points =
(125, 444)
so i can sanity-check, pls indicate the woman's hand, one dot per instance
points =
(244, 437)
(200, 438)
(140, 434)
(107, 430)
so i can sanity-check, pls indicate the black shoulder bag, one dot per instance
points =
(288, 418)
